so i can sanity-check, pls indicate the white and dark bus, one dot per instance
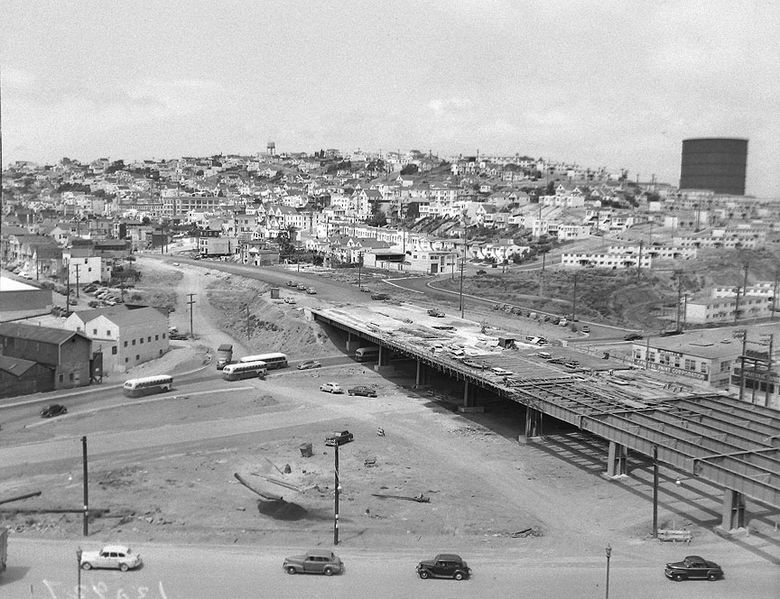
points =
(367, 354)
(147, 385)
(244, 370)
(272, 361)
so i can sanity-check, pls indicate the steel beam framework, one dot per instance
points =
(732, 445)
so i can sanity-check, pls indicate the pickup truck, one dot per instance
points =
(224, 355)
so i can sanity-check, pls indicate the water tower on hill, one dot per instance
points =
(717, 164)
(271, 147)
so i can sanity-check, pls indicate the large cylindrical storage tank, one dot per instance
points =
(717, 164)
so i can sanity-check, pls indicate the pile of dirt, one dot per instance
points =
(248, 314)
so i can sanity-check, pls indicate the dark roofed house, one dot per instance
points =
(67, 353)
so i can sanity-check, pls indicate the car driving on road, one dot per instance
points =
(308, 364)
(444, 565)
(693, 567)
(119, 557)
(315, 561)
(53, 410)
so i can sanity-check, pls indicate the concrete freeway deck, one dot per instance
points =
(730, 444)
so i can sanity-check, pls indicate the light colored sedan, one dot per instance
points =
(307, 364)
(331, 388)
(316, 561)
(119, 557)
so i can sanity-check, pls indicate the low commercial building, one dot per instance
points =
(22, 377)
(124, 337)
(68, 354)
(706, 356)
(20, 300)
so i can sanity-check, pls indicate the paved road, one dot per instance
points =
(47, 569)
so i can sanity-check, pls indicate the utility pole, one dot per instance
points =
(190, 303)
(742, 334)
(655, 491)
(574, 300)
(462, 271)
(769, 368)
(679, 301)
(86, 485)
(77, 279)
(541, 275)
(639, 262)
(774, 296)
(67, 292)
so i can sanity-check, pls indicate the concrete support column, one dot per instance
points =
(617, 464)
(533, 422)
(733, 510)
(468, 399)
(384, 356)
(418, 377)
(352, 344)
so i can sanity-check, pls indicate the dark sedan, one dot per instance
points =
(53, 410)
(362, 390)
(444, 565)
(693, 567)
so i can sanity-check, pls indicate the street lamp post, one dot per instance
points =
(608, 551)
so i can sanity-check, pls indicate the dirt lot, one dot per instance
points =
(484, 486)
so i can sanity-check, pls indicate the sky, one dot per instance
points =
(617, 84)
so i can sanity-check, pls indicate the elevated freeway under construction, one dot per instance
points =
(730, 444)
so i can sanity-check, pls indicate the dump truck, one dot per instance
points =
(3, 548)
(224, 355)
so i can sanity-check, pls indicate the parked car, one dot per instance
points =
(291, 284)
(380, 296)
(176, 264)
(331, 388)
(315, 561)
(339, 438)
(289, 300)
(311, 291)
(481, 272)
(436, 312)
(308, 364)
(120, 557)
(585, 328)
(632, 336)
(444, 565)
(53, 410)
(301, 287)
(362, 390)
(692, 567)
(176, 336)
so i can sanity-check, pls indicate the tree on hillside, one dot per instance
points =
(410, 169)
(286, 240)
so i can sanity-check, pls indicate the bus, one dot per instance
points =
(367, 354)
(272, 361)
(244, 370)
(147, 385)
